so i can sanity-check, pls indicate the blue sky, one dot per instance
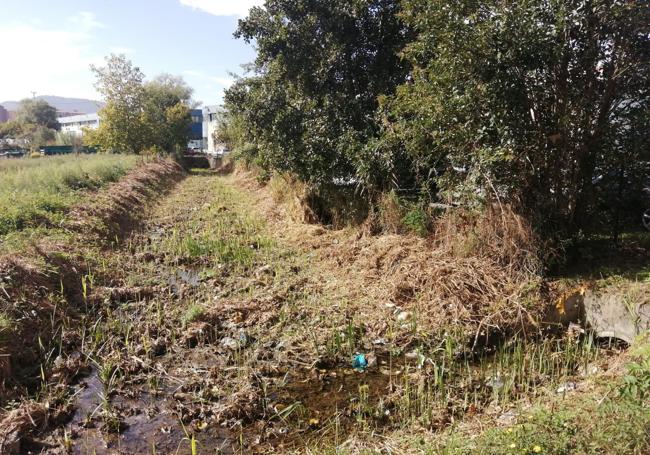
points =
(47, 46)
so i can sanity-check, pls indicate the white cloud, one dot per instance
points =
(86, 21)
(224, 81)
(223, 7)
(214, 86)
(50, 61)
(219, 80)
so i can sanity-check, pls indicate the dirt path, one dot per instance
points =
(229, 327)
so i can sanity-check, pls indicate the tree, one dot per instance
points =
(309, 104)
(36, 124)
(536, 103)
(12, 129)
(38, 112)
(167, 111)
(121, 126)
(540, 104)
(140, 115)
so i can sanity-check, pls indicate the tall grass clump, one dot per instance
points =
(37, 193)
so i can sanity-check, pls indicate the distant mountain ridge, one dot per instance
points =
(62, 104)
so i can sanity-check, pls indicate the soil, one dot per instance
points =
(216, 320)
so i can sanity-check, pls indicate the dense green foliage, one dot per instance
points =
(139, 115)
(309, 106)
(543, 105)
(36, 124)
(38, 112)
(536, 103)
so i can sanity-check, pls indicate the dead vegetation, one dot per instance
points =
(223, 320)
(45, 292)
(480, 272)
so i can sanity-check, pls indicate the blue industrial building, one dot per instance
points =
(196, 129)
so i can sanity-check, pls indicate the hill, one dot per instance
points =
(62, 104)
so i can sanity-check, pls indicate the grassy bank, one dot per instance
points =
(47, 267)
(39, 192)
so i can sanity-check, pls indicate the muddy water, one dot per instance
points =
(149, 424)
(321, 399)
(325, 393)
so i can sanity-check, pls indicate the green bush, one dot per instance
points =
(417, 220)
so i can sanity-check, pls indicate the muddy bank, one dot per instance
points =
(220, 323)
(119, 209)
(45, 288)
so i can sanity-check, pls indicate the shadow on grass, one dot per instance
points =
(600, 258)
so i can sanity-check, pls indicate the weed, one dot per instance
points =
(416, 220)
(6, 327)
(636, 383)
(192, 314)
(39, 192)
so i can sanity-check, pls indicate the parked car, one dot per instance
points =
(12, 153)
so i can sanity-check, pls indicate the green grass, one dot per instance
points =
(610, 417)
(192, 313)
(219, 233)
(615, 426)
(39, 192)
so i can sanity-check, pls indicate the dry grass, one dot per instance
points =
(498, 233)
(475, 275)
(477, 271)
(27, 419)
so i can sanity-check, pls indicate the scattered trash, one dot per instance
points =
(243, 338)
(229, 343)
(360, 363)
(412, 355)
(379, 342)
(404, 316)
(574, 330)
(387, 372)
(372, 360)
(264, 270)
(495, 382)
(588, 370)
(507, 418)
(566, 387)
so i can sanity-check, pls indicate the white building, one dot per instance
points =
(210, 128)
(76, 123)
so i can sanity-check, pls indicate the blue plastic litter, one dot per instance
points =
(360, 363)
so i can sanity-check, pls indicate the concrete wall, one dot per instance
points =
(210, 126)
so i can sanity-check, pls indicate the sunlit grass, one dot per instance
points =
(218, 234)
(38, 192)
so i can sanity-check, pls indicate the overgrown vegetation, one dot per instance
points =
(36, 124)
(140, 116)
(535, 105)
(39, 192)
